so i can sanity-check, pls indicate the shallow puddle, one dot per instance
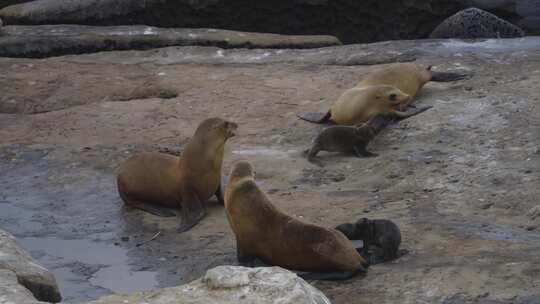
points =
(107, 266)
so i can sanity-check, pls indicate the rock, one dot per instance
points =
(13, 292)
(54, 40)
(524, 13)
(349, 20)
(31, 275)
(475, 23)
(5, 3)
(232, 284)
(534, 212)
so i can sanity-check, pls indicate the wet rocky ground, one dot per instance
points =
(459, 179)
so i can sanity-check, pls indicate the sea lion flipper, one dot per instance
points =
(219, 194)
(315, 117)
(448, 76)
(403, 115)
(327, 276)
(362, 152)
(192, 211)
(153, 209)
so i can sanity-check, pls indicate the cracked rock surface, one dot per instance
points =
(460, 180)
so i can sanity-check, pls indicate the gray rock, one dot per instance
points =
(4, 3)
(54, 40)
(349, 20)
(475, 23)
(524, 13)
(31, 275)
(232, 284)
(13, 292)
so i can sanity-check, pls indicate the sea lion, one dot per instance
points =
(265, 232)
(408, 77)
(357, 105)
(151, 181)
(354, 140)
(382, 233)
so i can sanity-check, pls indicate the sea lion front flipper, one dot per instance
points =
(243, 258)
(403, 115)
(328, 276)
(315, 117)
(360, 151)
(219, 194)
(191, 212)
(153, 209)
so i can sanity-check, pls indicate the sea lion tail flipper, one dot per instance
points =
(447, 76)
(315, 117)
(191, 212)
(328, 276)
(153, 209)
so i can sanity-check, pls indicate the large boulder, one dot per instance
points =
(29, 274)
(13, 292)
(4, 3)
(55, 40)
(231, 284)
(476, 23)
(349, 20)
(524, 13)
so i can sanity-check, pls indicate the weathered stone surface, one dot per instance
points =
(433, 176)
(4, 3)
(524, 13)
(13, 292)
(475, 23)
(31, 275)
(534, 212)
(350, 21)
(232, 284)
(54, 40)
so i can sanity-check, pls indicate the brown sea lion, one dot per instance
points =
(382, 233)
(354, 140)
(263, 231)
(151, 181)
(357, 105)
(408, 77)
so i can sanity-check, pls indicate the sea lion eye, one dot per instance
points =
(393, 97)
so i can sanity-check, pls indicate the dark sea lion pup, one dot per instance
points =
(384, 234)
(354, 140)
(152, 181)
(263, 231)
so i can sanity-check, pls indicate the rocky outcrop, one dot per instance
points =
(524, 13)
(232, 284)
(350, 21)
(54, 40)
(475, 23)
(37, 279)
(4, 3)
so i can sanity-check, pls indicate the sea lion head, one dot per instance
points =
(217, 127)
(393, 95)
(364, 229)
(242, 169)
